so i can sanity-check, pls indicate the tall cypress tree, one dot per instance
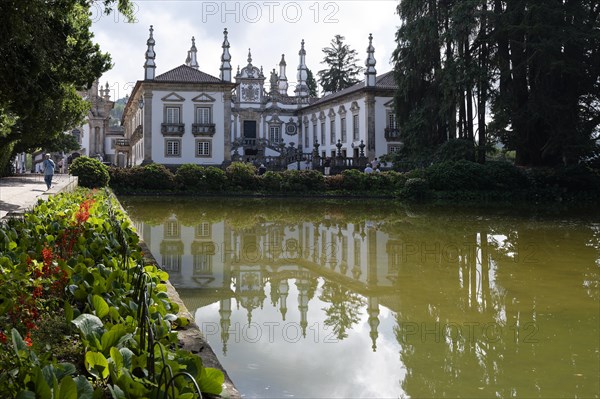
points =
(342, 68)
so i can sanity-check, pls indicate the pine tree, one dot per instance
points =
(311, 83)
(342, 68)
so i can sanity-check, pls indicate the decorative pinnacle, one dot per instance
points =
(249, 57)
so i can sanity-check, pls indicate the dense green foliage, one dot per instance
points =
(341, 71)
(78, 304)
(91, 172)
(522, 73)
(494, 179)
(48, 54)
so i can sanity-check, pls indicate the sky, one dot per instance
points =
(268, 28)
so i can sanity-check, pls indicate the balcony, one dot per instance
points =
(203, 129)
(392, 134)
(122, 144)
(172, 129)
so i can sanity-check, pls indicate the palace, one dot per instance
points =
(185, 115)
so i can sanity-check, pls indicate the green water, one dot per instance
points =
(327, 299)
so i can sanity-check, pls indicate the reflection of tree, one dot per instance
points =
(344, 310)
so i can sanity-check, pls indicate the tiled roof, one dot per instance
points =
(186, 74)
(384, 81)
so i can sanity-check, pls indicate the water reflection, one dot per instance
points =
(339, 299)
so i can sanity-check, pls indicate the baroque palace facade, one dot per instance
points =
(187, 116)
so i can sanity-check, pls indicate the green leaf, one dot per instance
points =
(111, 337)
(100, 306)
(85, 390)
(116, 392)
(127, 357)
(211, 380)
(90, 326)
(42, 389)
(18, 343)
(12, 245)
(96, 364)
(69, 314)
(116, 358)
(26, 395)
(67, 388)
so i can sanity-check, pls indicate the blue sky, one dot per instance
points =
(268, 28)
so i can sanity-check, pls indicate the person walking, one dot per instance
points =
(48, 170)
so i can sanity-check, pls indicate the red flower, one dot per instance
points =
(3, 338)
(28, 340)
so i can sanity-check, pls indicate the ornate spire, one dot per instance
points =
(249, 57)
(149, 65)
(283, 83)
(192, 60)
(302, 76)
(225, 59)
(370, 72)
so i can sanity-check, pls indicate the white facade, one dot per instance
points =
(187, 116)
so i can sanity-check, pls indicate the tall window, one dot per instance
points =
(306, 136)
(172, 229)
(203, 148)
(315, 133)
(173, 114)
(203, 115)
(323, 133)
(332, 130)
(355, 128)
(172, 148)
(343, 128)
(275, 134)
(391, 120)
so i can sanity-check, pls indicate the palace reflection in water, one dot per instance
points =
(472, 304)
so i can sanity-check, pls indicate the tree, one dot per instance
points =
(342, 71)
(47, 56)
(311, 83)
(525, 73)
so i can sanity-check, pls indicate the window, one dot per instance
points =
(391, 120)
(355, 128)
(394, 148)
(203, 230)
(332, 131)
(172, 229)
(314, 132)
(171, 262)
(275, 134)
(323, 133)
(203, 148)
(172, 148)
(343, 123)
(203, 115)
(305, 136)
(172, 115)
(202, 264)
(113, 144)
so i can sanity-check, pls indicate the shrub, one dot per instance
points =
(157, 177)
(91, 172)
(334, 182)
(415, 189)
(241, 175)
(354, 179)
(459, 175)
(504, 175)
(271, 181)
(190, 176)
(126, 178)
(303, 180)
(215, 179)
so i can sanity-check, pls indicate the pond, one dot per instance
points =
(325, 298)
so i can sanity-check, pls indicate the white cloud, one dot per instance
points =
(268, 28)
